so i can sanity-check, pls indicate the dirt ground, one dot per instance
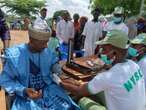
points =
(17, 37)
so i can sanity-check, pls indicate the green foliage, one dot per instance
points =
(22, 7)
(144, 9)
(132, 7)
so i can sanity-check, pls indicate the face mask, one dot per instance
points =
(105, 59)
(140, 26)
(117, 20)
(132, 52)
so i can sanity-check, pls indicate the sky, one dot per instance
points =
(73, 6)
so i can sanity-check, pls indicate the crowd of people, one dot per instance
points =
(31, 72)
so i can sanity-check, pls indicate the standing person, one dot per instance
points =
(92, 32)
(65, 28)
(54, 23)
(82, 22)
(53, 41)
(137, 52)
(27, 22)
(76, 18)
(64, 32)
(29, 72)
(77, 29)
(118, 21)
(41, 21)
(4, 31)
(79, 39)
(123, 83)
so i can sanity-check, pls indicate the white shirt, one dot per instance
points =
(123, 86)
(40, 23)
(65, 31)
(111, 25)
(142, 64)
(92, 31)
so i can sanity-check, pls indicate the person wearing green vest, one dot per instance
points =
(123, 83)
(137, 52)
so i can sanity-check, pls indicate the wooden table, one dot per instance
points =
(77, 74)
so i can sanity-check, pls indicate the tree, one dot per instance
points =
(143, 8)
(132, 7)
(22, 7)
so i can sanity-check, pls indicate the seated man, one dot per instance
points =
(27, 74)
(123, 83)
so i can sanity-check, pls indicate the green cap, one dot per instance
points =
(118, 10)
(140, 39)
(116, 38)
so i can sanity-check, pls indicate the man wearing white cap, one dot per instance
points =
(41, 21)
(117, 22)
(28, 74)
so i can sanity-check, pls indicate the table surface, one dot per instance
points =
(70, 72)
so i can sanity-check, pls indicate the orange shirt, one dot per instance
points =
(77, 26)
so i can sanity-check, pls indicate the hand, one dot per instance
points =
(33, 94)
(56, 79)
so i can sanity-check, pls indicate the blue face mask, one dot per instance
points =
(117, 20)
(140, 26)
(105, 59)
(132, 52)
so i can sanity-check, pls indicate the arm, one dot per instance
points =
(56, 67)
(9, 81)
(72, 31)
(80, 90)
(106, 28)
(100, 32)
(58, 31)
(38, 20)
(97, 84)
(83, 35)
